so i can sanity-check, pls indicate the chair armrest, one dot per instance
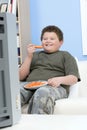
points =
(74, 91)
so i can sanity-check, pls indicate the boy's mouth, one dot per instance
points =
(48, 45)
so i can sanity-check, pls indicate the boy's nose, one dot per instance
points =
(48, 40)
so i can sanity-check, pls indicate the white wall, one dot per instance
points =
(83, 4)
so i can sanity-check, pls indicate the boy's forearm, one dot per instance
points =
(24, 69)
(69, 80)
(64, 80)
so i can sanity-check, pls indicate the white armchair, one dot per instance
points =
(76, 103)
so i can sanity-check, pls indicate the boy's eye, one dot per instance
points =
(45, 38)
(52, 39)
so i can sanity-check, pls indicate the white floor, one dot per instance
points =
(50, 122)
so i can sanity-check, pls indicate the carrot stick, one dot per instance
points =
(38, 46)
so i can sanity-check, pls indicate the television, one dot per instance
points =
(10, 110)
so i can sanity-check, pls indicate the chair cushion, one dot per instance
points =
(71, 106)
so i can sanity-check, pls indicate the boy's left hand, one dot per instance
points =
(55, 82)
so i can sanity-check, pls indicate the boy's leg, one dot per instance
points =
(25, 94)
(43, 100)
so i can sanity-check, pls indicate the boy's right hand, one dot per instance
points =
(31, 49)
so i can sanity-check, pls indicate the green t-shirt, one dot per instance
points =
(45, 65)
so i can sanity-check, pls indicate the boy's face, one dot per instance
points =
(50, 42)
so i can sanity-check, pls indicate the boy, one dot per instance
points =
(57, 67)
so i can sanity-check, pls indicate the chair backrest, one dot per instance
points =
(83, 74)
(80, 88)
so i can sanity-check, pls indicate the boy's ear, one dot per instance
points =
(61, 42)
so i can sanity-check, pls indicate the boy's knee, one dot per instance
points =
(42, 92)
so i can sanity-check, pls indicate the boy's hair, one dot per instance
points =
(55, 29)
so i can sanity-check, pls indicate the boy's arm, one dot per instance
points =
(65, 80)
(25, 67)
